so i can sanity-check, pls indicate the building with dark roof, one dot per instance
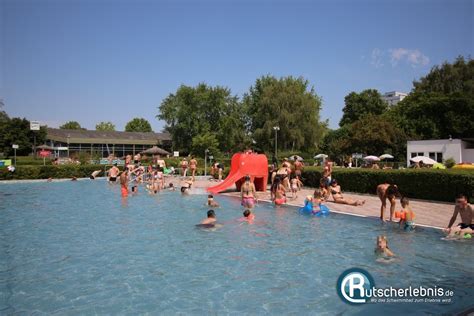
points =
(105, 143)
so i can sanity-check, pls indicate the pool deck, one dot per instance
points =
(427, 213)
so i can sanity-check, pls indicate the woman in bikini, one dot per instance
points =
(248, 193)
(338, 198)
(193, 166)
(278, 192)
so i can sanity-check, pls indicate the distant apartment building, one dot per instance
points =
(394, 97)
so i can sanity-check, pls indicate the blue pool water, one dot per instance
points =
(78, 248)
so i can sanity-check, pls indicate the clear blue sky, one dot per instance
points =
(101, 60)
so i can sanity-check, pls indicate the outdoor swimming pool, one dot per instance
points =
(77, 248)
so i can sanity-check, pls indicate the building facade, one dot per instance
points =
(394, 97)
(461, 150)
(104, 143)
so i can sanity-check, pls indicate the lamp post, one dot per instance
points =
(68, 136)
(276, 128)
(205, 162)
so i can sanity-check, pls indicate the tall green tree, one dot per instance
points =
(105, 126)
(358, 105)
(138, 125)
(372, 135)
(198, 115)
(289, 103)
(206, 141)
(17, 131)
(441, 103)
(71, 125)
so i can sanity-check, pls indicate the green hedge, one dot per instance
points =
(428, 184)
(64, 172)
(45, 172)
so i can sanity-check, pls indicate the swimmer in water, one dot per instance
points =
(248, 216)
(211, 202)
(210, 221)
(171, 187)
(407, 216)
(381, 248)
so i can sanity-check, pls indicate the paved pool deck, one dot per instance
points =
(427, 213)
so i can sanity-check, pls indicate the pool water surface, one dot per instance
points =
(79, 248)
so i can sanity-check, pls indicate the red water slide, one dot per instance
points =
(253, 165)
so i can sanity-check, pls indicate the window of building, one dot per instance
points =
(416, 154)
(439, 157)
(433, 156)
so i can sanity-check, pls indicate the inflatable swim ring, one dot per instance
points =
(323, 210)
(307, 208)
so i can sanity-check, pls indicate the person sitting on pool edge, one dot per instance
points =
(339, 198)
(466, 211)
(387, 191)
(211, 202)
(406, 215)
(210, 221)
(381, 248)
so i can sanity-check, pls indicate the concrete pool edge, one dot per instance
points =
(297, 206)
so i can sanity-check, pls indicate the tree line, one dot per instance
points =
(440, 105)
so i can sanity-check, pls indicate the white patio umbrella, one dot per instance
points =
(321, 156)
(386, 156)
(371, 158)
(298, 158)
(424, 159)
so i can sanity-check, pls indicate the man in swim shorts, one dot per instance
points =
(298, 167)
(113, 173)
(466, 211)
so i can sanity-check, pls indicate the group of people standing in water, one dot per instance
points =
(286, 178)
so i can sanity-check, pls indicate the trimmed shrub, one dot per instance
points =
(428, 184)
(45, 172)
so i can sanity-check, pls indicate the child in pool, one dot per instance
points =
(381, 248)
(406, 215)
(248, 216)
(294, 186)
(317, 200)
(211, 202)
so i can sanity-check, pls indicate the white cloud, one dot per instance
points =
(376, 58)
(413, 57)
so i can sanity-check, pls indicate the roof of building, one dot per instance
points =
(79, 136)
